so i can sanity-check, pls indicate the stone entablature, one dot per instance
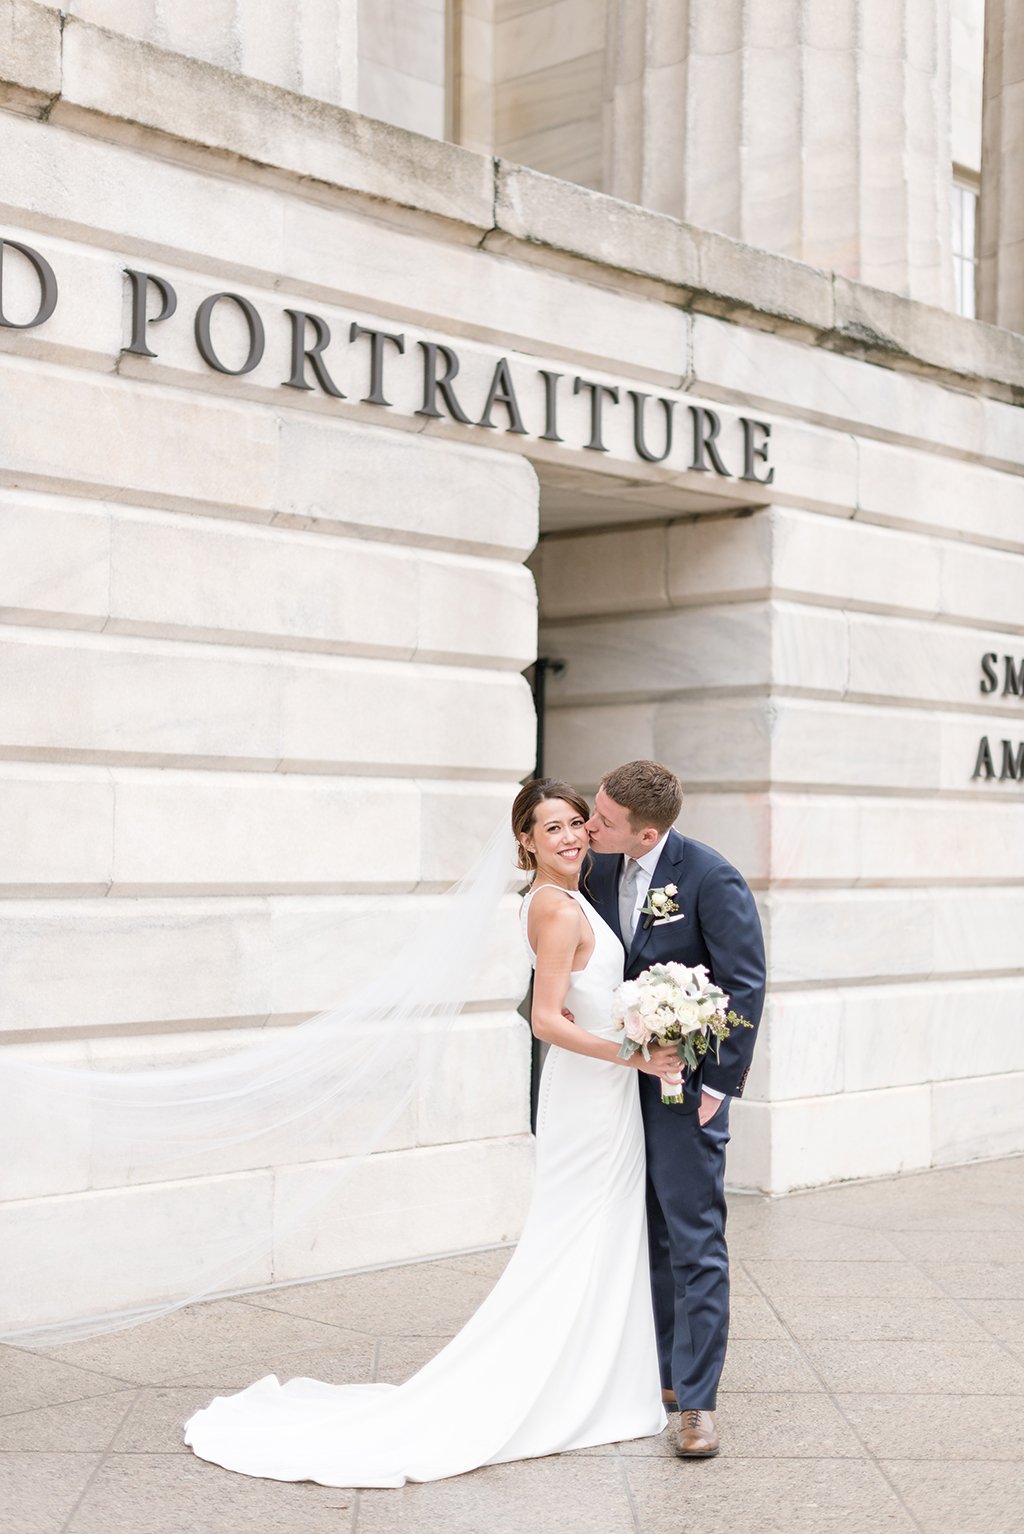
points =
(60, 71)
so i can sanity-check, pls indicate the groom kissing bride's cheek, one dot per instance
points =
(629, 1200)
(636, 857)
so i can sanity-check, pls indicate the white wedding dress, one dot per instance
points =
(562, 1352)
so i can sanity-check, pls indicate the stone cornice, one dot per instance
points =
(68, 71)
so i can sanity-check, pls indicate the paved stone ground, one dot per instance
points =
(875, 1382)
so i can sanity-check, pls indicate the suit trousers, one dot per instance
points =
(686, 1230)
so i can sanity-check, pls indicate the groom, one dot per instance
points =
(637, 854)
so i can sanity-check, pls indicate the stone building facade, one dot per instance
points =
(324, 417)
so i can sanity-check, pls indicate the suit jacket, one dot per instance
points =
(720, 929)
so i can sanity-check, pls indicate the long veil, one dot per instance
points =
(328, 1091)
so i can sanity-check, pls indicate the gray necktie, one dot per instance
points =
(627, 899)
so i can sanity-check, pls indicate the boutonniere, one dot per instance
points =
(660, 906)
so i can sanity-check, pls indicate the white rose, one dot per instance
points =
(628, 995)
(671, 890)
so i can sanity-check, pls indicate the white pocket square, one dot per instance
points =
(664, 921)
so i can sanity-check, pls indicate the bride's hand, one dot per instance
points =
(664, 1062)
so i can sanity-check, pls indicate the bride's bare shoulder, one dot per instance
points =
(552, 912)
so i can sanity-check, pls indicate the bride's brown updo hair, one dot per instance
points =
(525, 807)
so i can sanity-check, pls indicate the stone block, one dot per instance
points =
(430, 720)
(70, 181)
(60, 436)
(736, 279)
(748, 1165)
(72, 964)
(257, 833)
(322, 947)
(850, 1135)
(934, 932)
(800, 1047)
(56, 830)
(581, 743)
(407, 36)
(923, 662)
(814, 467)
(54, 561)
(511, 304)
(540, 210)
(873, 323)
(192, 578)
(142, 702)
(846, 564)
(380, 1116)
(556, 33)
(30, 62)
(38, 1159)
(614, 571)
(85, 326)
(810, 649)
(825, 743)
(824, 1040)
(712, 648)
(871, 840)
(468, 499)
(474, 1082)
(712, 744)
(123, 80)
(452, 1081)
(421, 1203)
(457, 818)
(406, 100)
(130, 1244)
(69, 964)
(721, 560)
(833, 390)
(739, 825)
(474, 612)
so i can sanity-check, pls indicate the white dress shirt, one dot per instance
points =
(647, 865)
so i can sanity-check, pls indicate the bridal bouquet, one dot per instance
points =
(673, 1004)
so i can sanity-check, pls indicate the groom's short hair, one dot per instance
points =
(650, 791)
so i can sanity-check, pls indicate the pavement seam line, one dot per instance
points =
(958, 1301)
(634, 1511)
(101, 1461)
(872, 1458)
(28, 1411)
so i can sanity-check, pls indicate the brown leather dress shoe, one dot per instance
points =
(696, 1435)
(668, 1400)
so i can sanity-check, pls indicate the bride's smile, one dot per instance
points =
(558, 840)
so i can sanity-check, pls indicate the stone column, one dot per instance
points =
(308, 46)
(817, 128)
(1001, 269)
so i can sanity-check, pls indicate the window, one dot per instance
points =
(965, 248)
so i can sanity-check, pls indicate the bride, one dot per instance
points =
(563, 1349)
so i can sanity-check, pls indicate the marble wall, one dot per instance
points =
(814, 674)
(248, 632)
(260, 667)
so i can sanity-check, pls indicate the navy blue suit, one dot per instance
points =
(685, 1162)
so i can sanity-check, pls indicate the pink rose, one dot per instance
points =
(636, 1028)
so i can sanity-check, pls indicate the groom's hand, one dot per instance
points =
(708, 1107)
